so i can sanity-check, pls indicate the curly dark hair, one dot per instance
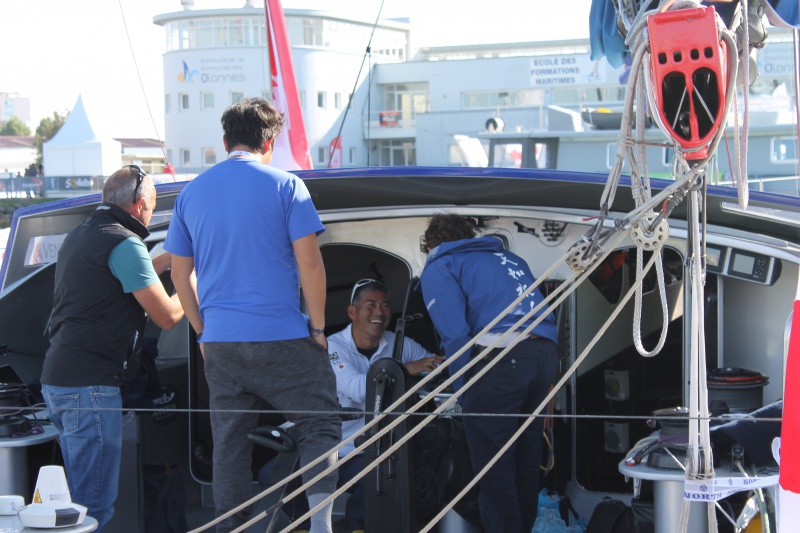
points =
(251, 123)
(447, 227)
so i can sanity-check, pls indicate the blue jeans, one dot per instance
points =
(89, 424)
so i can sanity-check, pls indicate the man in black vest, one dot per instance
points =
(105, 282)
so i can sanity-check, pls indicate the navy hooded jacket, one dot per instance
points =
(467, 283)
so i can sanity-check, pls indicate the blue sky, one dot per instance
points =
(54, 50)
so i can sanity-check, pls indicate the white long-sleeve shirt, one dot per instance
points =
(351, 369)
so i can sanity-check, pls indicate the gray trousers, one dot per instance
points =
(292, 375)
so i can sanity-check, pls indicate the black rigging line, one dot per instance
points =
(367, 53)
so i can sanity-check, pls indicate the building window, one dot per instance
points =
(302, 96)
(209, 157)
(587, 95)
(185, 159)
(397, 153)
(167, 103)
(322, 99)
(312, 32)
(216, 32)
(236, 97)
(207, 101)
(169, 155)
(184, 101)
(352, 160)
(504, 99)
(321, 153)
(337, 100)
(408, 99)
(784, 150)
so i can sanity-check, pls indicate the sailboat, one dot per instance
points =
(701, 279)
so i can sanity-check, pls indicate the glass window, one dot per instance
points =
(506, 99)
(216, 32)
(322, 99)
(588, 95)
(167, 103)
(302, 96)
(209, 157)
(508, 155)
(397, 153)
(236, 97)
(321, 154)
(337, 100)
(312, 32)
(352, 160)
(408, 98)
(206, 101)
(184, 101)
(185, 159)
(784, 150)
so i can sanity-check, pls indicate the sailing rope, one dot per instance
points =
(648, 230)
(573, 282)
(699, 456)
(367, 54)
(144, 94)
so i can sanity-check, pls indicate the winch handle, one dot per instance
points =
(274, 438)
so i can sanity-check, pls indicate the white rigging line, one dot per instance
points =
(141, 84)
(584, 257)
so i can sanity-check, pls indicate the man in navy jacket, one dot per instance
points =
(466, 283)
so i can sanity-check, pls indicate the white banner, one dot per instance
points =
(712, 490)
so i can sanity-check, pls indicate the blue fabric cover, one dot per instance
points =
(753, 434)
(604, 38)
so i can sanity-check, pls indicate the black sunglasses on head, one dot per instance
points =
(139, 179)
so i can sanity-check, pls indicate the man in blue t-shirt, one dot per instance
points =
(104, 284)
(250, 232)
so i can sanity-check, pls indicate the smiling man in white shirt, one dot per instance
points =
(352, 351)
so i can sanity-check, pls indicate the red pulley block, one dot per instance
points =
(688, 74)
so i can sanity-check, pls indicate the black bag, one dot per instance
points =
(164, 498)
(611, 516)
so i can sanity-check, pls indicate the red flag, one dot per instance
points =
(790, 427)
(335, 153)
(291, 147)
(789, 493)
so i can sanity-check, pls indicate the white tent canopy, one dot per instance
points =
(77, 151)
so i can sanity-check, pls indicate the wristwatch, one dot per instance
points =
(315, 332)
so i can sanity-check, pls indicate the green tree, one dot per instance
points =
(14, 126)
(47, 129)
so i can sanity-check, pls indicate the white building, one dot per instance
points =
(13, 105)
(407, 104)
(217, 57)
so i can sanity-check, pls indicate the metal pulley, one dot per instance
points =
(649, 238)
(580, 257)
